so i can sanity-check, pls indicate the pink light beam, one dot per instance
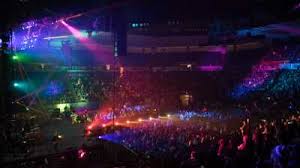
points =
(77, 34)
(91, 45)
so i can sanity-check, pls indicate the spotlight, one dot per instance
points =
(81, 153)
(90, 127)
(61, 21)
(117, 123)
(140, 120)
(15, 57)
(107, 67)
(150, 118)
(103, 125)
(16, 84)
(127, 121)
(168, 115)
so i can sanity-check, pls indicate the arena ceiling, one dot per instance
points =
(16, 11)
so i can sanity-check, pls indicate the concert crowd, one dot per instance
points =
(260, 143)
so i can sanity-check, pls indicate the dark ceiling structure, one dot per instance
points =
(17, 11)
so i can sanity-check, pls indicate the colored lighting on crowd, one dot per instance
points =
(258, 78)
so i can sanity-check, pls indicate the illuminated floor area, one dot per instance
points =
(130, 131)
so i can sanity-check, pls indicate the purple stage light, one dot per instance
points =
(210, 68)
(27, 35)
(289, 29)
(297, 6)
